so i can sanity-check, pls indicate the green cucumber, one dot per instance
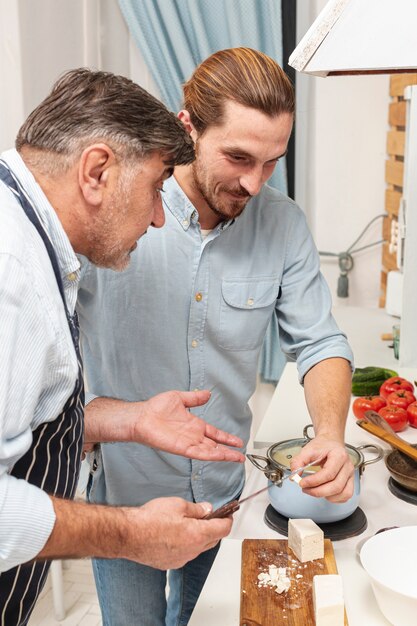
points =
(366, 381)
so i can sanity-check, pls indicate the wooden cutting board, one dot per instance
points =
(262, 606)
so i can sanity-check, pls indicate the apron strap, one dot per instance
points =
(7, 177)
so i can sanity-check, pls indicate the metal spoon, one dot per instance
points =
(234, 505)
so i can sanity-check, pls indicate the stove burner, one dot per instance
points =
(402, 492)
(353, 525)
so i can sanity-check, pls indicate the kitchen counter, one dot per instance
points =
(285, 418)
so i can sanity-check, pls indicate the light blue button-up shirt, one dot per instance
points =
(191, 313)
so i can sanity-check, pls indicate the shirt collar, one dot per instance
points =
(67, 259)
(182, 208)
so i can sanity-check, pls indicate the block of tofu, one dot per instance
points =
(305, 539)
(329, 606)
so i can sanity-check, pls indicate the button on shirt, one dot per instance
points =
(39, 366)
(145, 331)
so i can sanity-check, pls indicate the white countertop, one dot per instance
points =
(284, 419)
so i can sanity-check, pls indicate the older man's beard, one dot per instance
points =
(106, 248)
(224, 209)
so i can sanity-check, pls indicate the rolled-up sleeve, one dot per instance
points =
(308, 331)
(23, 535)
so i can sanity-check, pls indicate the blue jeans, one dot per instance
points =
(131, 594)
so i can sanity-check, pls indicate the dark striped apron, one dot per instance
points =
(53, 461)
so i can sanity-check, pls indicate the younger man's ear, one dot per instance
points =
(185, 118)
(94, 170)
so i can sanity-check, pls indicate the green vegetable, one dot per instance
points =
(366, 381)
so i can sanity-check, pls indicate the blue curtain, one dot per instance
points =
(174, 36)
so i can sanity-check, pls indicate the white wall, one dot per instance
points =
(341, 126)
(11, 99)
(37, 46)
(349, 176)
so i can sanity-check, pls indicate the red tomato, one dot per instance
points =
(401, 398)
(367, 403)
(395, 383)
(396, 417)
(412, 414)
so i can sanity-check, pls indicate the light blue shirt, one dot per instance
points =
(191, 313)
(39, 366)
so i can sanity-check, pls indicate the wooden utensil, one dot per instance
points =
(392, 439)
(386, 337)
(375, 418)
(262, 606)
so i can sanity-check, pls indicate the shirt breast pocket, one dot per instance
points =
(245, 310)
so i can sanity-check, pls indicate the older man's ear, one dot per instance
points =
(94, 172)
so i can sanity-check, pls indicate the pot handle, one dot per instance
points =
(255, 458)
(273, 474)
(379, 454)
(305, 432)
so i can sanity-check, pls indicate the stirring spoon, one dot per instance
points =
(378, 430)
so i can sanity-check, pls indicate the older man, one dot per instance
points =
(85, 178)
(200, 295)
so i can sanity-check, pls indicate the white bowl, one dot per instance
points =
(390, 559)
